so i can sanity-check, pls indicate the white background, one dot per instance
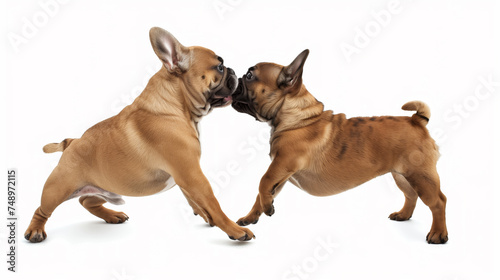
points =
(82, 61)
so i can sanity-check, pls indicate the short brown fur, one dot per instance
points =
(324, 153)
(149, 142)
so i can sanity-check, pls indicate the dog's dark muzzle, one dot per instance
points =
(232, 80)
(221, 95)
(241, 101)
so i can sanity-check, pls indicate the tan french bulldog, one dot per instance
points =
(150, 146)
(324, 153)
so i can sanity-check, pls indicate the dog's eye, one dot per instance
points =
(249, 75)
(220, 68)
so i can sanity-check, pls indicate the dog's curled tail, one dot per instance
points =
(423, 111)
(57, 147)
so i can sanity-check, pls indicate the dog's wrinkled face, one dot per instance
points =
(211, 77)
(203, 72)
(263, 89)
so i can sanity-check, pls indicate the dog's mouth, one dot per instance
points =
(216, 101)
(222, 95)
(241, 102)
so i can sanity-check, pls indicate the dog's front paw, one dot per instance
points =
(269, 208)
(35, 235)
(249, 219)
(266, 202)
(398, 216)
(244, 235)
(435, 237)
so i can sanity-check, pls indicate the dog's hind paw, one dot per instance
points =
(115, 217)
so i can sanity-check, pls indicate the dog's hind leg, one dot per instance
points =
(58, 188)
(411, 197)
(426, 184)
(93, 204)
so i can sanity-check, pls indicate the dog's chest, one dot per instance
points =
(160, 181)
(170, 183)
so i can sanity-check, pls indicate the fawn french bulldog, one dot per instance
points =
(324, 153)
(150, 146)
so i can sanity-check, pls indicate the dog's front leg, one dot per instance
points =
(270, 185)
(197, 190)
(197, 210)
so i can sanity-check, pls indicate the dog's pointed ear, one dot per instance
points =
(172, 53)
(291, 75)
